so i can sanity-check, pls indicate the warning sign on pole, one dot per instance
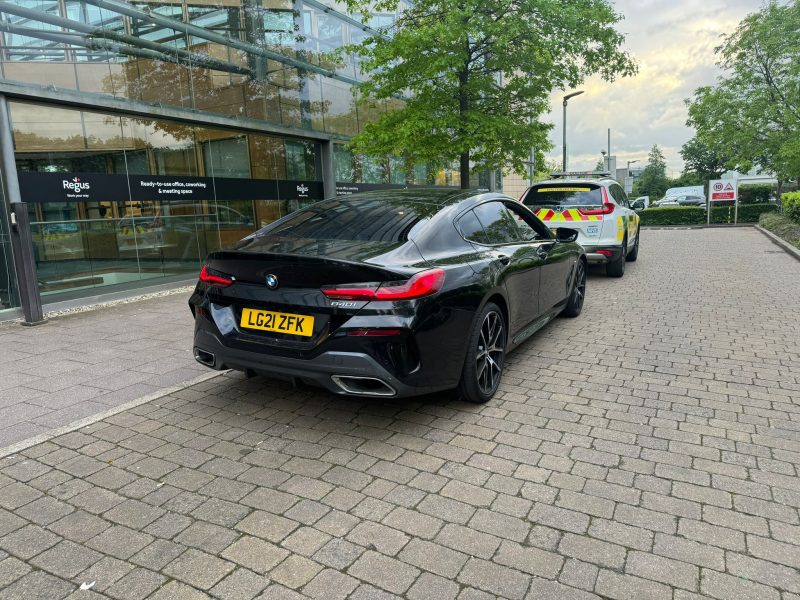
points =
(722, 189)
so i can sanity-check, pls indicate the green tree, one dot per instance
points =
(476, 75)
(703, 159)
(688, 178)
(752, 116)
(547, 168)
(653, 181)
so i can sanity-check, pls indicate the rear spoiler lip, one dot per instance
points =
(398, 270)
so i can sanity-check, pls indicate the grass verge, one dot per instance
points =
(781, 226)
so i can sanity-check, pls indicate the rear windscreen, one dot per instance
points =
(380, 219)
(564, 195)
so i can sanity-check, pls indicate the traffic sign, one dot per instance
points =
(722, 189)
(629, 185)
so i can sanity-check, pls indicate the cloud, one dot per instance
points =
(673, 44)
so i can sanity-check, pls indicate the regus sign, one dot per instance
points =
(75, 185)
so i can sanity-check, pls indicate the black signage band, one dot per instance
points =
(101, 187)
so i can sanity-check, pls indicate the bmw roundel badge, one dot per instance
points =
(272, 281)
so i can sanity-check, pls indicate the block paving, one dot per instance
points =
(648, 449)
(80, 364)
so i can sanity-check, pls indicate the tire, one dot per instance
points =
(578, 294)
(616, 268)
(634, 254)
(480, 377)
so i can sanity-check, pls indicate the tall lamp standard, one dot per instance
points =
(630, 162)
(566, 99)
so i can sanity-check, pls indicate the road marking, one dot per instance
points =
(75, 425)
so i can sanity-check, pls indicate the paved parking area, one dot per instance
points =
(648, 449)
(85, 363)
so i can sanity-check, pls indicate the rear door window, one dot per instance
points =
(564, 194)
(619, 195)
(530, 228)
(497, 223)
(471, 228)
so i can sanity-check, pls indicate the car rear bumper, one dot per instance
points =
(595, 257)
(344, 373)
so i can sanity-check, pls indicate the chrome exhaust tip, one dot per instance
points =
(363, 386)
(205, 358)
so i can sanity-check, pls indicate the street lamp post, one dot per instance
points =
(566, 99)
(630, 162)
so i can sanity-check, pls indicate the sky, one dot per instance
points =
(673, 44)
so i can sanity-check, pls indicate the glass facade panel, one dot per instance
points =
(397, 171)
(227, 158)
(372, 170)
(392, 171)
(300, 160)
(115, 199)
(340, 109)
(121, 230)
(211, 55)
(45, 128)
(343, 163)
(268, 157)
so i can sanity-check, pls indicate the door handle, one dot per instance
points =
(504, 259)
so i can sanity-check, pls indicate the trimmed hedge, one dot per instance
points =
(783, 227)
(791, 205)
(695, 215)
(673, 215)
(748, 213)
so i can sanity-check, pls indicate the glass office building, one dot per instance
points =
(146, 134)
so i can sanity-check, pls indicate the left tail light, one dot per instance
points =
(607, 208)
(419, 285)
(212, 277)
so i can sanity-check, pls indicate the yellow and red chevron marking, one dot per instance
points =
(570, 214)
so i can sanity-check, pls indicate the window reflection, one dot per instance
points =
(73, 44)
(82, 245)
(350, 168)
(227, 157)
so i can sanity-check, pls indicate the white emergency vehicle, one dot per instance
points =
(597, 207)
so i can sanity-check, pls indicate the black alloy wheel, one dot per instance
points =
(483, 368)
(575, 304)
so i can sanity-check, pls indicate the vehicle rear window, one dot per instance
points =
(471, 228)
(378, 220)
(564, 194)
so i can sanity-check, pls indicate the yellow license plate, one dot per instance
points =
(267, 320)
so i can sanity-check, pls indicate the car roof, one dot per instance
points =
(437, 196)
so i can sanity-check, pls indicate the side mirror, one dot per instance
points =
(638, 205)
(565, 234)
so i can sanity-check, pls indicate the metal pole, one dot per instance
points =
(609, 150)
(564, 160)
(708, 205)
(736, 202)
(21, 241)
(532, 167)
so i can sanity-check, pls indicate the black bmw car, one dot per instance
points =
(390, 293)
